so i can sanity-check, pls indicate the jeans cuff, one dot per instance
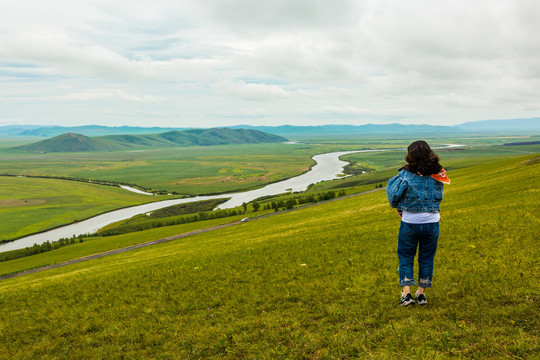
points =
(406, 282)
(424, 283)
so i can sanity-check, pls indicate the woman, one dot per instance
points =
(416, 192)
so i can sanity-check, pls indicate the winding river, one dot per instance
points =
(328, 167)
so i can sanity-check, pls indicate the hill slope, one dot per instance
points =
(68, 142)
(312, 283)
(71, 142)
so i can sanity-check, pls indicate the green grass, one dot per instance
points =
(29, 205)
(316, 283)
(94, 245)
(191, 170)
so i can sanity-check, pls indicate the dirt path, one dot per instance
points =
(170, 238)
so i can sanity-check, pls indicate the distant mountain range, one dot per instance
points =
(72, 142)
(88, 130)
(509, 127)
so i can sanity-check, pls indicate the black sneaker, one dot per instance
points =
(406, 300)
(420, 299)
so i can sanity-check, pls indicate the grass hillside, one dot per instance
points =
(68, 142)
(71, 142)
(316, 283)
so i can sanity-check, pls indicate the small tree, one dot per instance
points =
(256, 206)
(290, 203)
(244, 205)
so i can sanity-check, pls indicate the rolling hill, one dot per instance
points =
(71, 142)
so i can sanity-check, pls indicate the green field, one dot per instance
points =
(29, 205)
(315, 283)
(189, 170)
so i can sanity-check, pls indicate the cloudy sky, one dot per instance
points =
(225, 62)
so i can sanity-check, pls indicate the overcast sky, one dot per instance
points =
(190, 63)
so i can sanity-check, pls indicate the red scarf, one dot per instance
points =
(441, 176)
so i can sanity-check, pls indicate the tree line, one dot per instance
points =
(41, 248)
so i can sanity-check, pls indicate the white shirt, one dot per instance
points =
(420, 217)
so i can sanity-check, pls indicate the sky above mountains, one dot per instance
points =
(191, 63)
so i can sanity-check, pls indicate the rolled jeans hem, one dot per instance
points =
(406, 282)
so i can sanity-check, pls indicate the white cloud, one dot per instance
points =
(103, 94)
(250, 91)
(427, 60)
(68, 59)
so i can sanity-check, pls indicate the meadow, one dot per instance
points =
(314, 283)
(30, 205)
(184, 170)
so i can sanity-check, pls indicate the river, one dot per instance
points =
(328, 167)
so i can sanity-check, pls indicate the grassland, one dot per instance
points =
(29, 205)
(316, 283)
(192, 170)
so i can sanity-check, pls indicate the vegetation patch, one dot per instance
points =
(522, 143)
(40, 248)
(354, 168)
(534, 161)
(187, 208)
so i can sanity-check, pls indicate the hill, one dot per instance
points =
(314, 283)
(71, 142)
(68, 142)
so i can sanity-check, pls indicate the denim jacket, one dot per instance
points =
(408, 191)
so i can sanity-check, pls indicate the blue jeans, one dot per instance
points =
(411, 236)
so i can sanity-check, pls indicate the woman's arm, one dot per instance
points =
(395, 190)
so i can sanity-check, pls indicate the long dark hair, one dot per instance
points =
(421, 159)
